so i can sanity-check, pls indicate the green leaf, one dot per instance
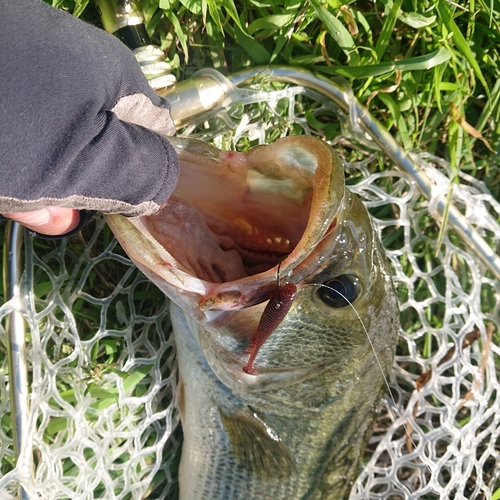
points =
(361, 20)
(41, 289)
(80, 6)
(56, 425)
(110, 345)
(194, 6)
(313, 122)
(131, 381)
(387, 29)
(214, 11)
(398, 118)
(415, 63)
(438, 75)
(271, 23)
(232, 11)
(216, 45)
(308, 61)
(461, 42)
(254, 49)
(338, 32)
(178, 31)
(444, 221)
(68, 396)
(104, 398)
(416, 20)
(103, 404)
(100, 393)
(496, 495)
(280, 43)
(490, 106)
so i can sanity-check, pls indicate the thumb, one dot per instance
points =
(50, 221)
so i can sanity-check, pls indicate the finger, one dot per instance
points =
(50, 221)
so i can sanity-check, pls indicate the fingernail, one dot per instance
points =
(38, 218)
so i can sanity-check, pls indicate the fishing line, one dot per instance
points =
(374, 352)
(278, 284)
(366, 332)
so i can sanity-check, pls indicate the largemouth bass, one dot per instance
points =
(292, 421)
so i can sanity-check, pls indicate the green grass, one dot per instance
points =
(428, 70)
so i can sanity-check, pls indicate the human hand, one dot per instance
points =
(51, 221)
(81, 127)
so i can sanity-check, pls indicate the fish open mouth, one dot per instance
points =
(234, 216)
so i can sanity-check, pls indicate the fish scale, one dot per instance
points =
(208, 466)
(323, 442)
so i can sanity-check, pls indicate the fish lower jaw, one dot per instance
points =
(241, 380)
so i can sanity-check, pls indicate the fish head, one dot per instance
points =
(342, 324)
(236, 221)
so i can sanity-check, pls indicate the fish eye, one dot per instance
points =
(340, 291)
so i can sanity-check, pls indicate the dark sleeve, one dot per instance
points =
(64, 86)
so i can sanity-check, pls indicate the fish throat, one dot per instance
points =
(217, 248)
(240, 216)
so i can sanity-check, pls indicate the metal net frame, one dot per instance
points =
(101, 421)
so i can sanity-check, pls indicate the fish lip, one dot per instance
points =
(269, 379)
(263, 372)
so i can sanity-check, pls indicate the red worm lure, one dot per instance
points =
(274, 313)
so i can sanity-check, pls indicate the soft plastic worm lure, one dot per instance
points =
(274, 313)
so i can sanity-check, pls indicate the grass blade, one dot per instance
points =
(254, 49)
(398, 119)
(80, 6)
(413, 64)
(270, 23)
(460, 42)
(388, 28)
(179, 32)
(338, 32)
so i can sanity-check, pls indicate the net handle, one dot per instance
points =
(340, 92)
(16, 342)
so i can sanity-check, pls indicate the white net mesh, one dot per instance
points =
(103, 374)
(102, 422)
(453, 420)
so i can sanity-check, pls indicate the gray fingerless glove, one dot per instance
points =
(80, 126)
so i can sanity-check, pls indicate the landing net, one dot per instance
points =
(102, 372)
